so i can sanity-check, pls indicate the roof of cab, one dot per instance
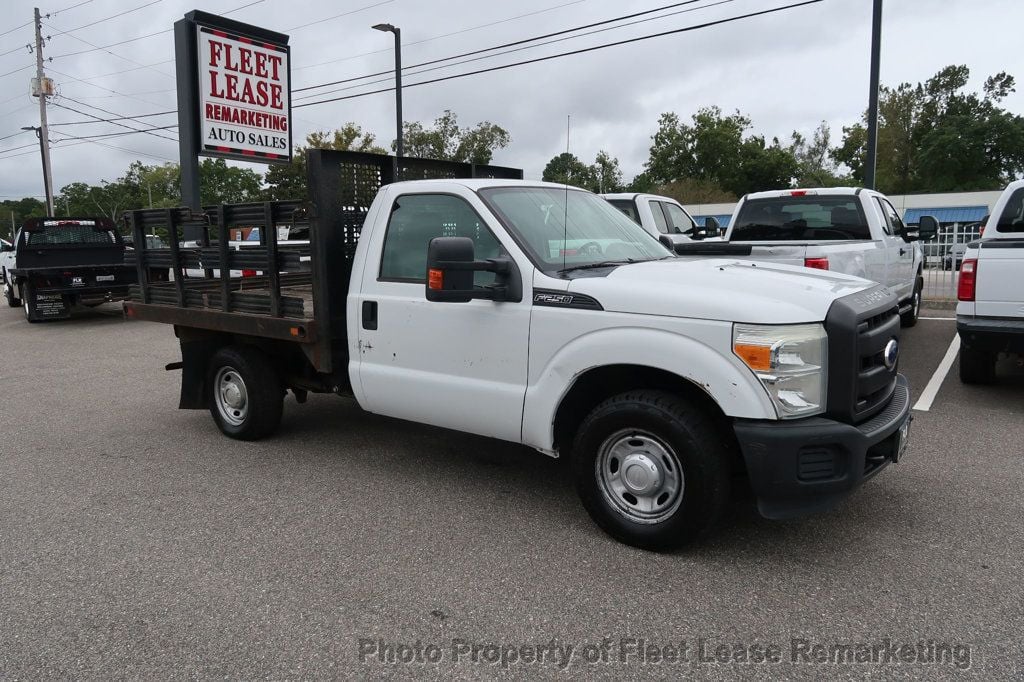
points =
(812, 191)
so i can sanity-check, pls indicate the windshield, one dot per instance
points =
(798, 218)
(569, 228)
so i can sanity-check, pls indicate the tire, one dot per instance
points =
(244, 393)
(909, 318)
(12, 300)
(686, 490)
(976, 366)
(28, 298)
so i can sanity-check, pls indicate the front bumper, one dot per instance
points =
(808, 465)
(992, 334)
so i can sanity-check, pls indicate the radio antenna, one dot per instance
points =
(565, 216)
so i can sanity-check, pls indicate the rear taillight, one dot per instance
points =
(816, 263)
(248, 273)
(968, 280)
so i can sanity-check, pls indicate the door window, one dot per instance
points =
(893, 223)
(1012, 218)
(418, 218)
(677, 217)
(659, 217)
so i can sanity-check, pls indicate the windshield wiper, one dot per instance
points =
(603, 264)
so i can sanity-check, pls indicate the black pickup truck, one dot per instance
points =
(56, 263)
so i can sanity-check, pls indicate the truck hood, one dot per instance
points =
(720, 289)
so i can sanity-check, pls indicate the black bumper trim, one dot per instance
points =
(992, 334)
(806, 466)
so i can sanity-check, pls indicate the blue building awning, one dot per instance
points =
(723, 219)
(958, 214)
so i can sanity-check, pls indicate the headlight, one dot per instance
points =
(790, 360)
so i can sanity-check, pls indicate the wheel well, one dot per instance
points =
(596, 385)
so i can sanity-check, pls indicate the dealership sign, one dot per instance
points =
(236, 98)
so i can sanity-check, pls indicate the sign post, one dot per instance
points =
(234, 95)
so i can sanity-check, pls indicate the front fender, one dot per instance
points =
(707, 362)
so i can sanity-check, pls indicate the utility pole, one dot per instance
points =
(44, 131)
(871, 161)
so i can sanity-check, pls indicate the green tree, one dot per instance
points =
(446, 141)
(566, 169)
(220, 183)
(938, 137)
(288, 181)
(606, 173)
(17, 210)
(716, 149)
(815, 165)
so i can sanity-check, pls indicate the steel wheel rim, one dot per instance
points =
(917, 302)
(640, 476)
(231, 396)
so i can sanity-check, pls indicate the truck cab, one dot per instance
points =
(662, 217)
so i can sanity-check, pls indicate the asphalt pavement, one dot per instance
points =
(138, 542)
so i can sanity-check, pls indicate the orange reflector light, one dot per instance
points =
(295, 331)
(756, 356)
(435, 279)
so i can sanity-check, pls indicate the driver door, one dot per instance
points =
(457, 365)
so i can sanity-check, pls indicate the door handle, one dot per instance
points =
(369, 314)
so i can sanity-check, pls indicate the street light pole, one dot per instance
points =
(388, 28)
(871, 160)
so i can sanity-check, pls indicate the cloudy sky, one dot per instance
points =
(787, 70)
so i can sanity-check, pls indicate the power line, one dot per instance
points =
(113, 16)
(113, 54)
(109, 120)
(513, 43)
(20, 132)
(84, 113)
(106, 89)
(84, 2)
(443, 35)
(12, 30)
(567, 54)
(517, 49)
(81, 140)
(343, 14)
(108, 111)
(17, 70)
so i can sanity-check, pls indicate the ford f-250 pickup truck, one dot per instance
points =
(990, 311)
(843, 229)
(539, 314)
(56, 263)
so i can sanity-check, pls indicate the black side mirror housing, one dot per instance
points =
(711, 224)
(927, 228)
(451, 264)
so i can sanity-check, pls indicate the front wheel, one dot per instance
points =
(244, 393)
(651, 469)
(12, 300)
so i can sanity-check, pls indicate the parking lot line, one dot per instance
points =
(924, 403)
(950, 319)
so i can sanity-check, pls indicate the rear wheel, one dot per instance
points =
(909, 318)
(651, 469)
(976, 366)
(244, 393)
(28, 299)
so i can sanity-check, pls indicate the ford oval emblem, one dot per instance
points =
(891, 353)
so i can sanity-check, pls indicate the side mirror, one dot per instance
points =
(927, 228)
(450, 268)
(667, 242)
(711, 224)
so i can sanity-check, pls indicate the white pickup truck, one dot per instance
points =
(537, 314)
(843, 229)
(990, 312)
(662, 217)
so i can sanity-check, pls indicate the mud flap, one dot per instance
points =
(195, 359)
